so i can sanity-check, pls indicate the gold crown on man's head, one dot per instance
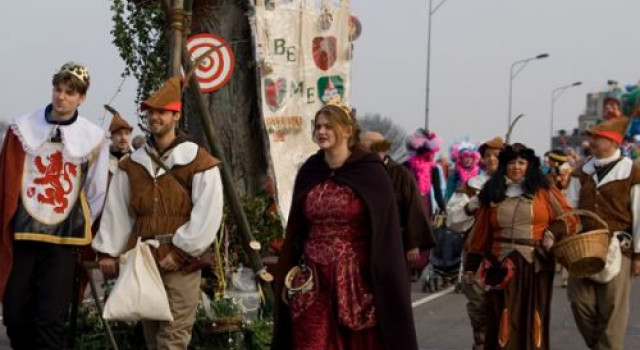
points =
(79, 71)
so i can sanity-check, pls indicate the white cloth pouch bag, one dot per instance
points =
(614, 261)
(139, 292)
(457, 219)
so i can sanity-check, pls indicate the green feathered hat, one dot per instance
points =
(630, 99)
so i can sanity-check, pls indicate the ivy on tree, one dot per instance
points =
(140, 36)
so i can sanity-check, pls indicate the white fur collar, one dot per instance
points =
(477, 182)
(181, 154)
(607, 160)
(513, 189)
(80, 139)
(620, 171)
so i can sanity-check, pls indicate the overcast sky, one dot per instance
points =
(37, 37)
(474, 43)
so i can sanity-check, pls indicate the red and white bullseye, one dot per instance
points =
(216, 68)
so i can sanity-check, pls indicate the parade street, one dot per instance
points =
(442, 323)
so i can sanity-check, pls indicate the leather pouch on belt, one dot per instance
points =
(626, 242)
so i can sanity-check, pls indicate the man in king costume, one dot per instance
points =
(609, 185)
(53, 175)
(169, 190)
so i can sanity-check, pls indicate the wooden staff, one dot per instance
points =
(510, 131)
(181, 52)
(234, 201)
(176, 25)
(88, 266)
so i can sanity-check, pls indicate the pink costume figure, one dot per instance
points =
(467, 165)
(423, 147)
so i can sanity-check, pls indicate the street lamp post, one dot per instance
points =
(555, 95)
(520, 64)
(432, 11)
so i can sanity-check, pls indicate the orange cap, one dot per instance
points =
(168, 97)
(612, 129)
(117, 122)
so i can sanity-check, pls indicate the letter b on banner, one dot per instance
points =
(281, 48)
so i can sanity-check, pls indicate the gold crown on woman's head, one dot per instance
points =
(337, 102)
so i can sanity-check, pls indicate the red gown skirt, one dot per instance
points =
(339, 312)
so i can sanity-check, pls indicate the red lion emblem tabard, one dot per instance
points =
(55, 176)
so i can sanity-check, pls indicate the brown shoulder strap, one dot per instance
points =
(161, 164)
(555, 205)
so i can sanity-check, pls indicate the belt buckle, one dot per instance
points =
(625, 241)
(163, 239)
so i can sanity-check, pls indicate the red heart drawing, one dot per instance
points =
(275, 91)
(324, 51)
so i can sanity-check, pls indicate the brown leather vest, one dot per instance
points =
(611, 201)
(161, 205)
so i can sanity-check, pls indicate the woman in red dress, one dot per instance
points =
(343, 230)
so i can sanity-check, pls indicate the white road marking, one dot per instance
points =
(432, 297)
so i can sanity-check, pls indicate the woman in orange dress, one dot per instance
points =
(353, 291)
(515, 228)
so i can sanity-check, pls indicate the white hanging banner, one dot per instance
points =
(303, 51)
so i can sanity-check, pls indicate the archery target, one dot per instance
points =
(216, 68)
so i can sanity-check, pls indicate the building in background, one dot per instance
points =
(592, 115)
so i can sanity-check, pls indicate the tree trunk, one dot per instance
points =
(234, 107)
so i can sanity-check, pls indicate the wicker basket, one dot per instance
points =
(584, 254)
(226, 325)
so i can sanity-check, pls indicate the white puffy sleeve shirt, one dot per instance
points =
(194, 237)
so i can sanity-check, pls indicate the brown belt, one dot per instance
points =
(162, 239)
(520, 241)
